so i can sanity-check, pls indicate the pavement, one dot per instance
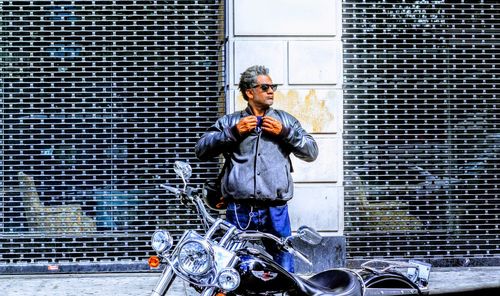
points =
(443, 281)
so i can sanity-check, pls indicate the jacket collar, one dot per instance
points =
(249, 111)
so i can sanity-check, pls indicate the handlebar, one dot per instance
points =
(299, 255)
(189, 194)
(171, 189)
(284, 243)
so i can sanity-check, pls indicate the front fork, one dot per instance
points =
(208, 292)
(166, 280)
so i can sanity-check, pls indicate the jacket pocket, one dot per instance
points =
(284, 190)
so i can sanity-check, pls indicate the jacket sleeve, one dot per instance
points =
(219, 138)
(301, 143)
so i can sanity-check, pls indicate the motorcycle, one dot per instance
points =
(229, 261)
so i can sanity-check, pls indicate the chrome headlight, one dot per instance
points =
(162, 241)
(195, 257)
(228, 279)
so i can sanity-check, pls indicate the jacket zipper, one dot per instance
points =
(255, 165)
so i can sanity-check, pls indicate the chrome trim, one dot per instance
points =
(165, 281)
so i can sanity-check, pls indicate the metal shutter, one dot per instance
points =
(421, 129)
(99, 98)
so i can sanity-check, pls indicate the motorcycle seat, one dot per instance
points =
(333, 282)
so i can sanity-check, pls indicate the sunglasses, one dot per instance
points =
(265, 86)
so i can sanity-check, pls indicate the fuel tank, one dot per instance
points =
(260, 274)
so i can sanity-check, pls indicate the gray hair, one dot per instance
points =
(248, 78)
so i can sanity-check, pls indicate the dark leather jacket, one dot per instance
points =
(259, 165)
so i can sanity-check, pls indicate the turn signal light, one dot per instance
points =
(220, 294)
(154, 261)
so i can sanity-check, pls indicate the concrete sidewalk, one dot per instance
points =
(442, 280)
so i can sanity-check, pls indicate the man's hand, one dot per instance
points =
(246, 125)
(271, 125)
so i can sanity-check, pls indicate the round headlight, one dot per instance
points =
(228, 279)
(162, 241)
(195, 257)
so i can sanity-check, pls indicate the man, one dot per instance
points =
(256, 143)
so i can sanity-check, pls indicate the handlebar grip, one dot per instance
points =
(170, 188)
(299, 255)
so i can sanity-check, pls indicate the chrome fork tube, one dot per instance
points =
(165, 282)
(208, 292)
(225, 239)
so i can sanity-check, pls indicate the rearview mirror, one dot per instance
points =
(309, 235)
(183, 169)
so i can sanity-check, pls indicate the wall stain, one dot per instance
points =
(310, 110)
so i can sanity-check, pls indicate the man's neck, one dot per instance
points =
(257, 111)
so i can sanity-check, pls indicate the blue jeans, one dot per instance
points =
(273, 220)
